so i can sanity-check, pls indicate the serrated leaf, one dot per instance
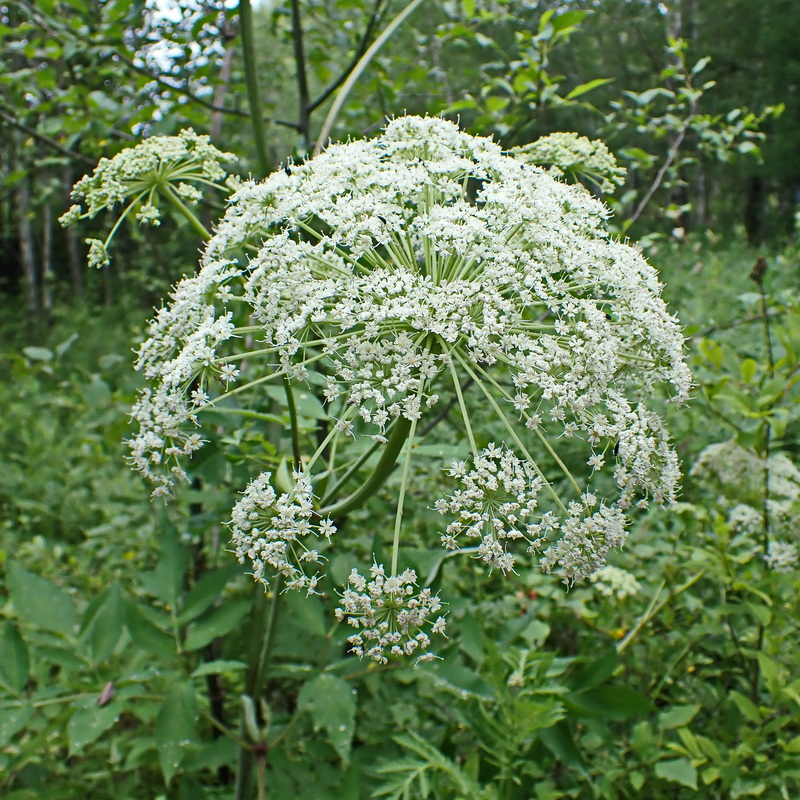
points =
(14, 659)
(176, 727)
(38, 602)
(216, 622)
(88, 723)
(678, 770)
(332, 705)
(101, 626)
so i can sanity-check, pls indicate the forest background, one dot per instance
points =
(131, 641)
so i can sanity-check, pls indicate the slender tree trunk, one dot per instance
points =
(27, 251)
(74, 260)
(47, 263)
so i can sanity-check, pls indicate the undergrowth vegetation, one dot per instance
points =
(672, 673)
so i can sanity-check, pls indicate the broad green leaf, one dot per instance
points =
(677, 716)
(12, 721)
(206, 592)
(332, 705)
(101, 626)
(147, 635)
(14, 660)
(38, 602)
(615, 702)
(592, 673)
(166, 580)
(216, 622)
(89, 722)
(176, 727)
(678, 770)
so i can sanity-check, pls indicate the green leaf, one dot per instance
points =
(677, 716)
(216, 622)
(746, 706)
(678, 770)
(218, 667)
(749, 368)
(38, 602)
(89, 722)
(176, 727)
(615, 702)
(460, 680)
(583, 88)
(332, 705)
(14, 660)
(101, 626)
(770, 673)
(559, 741)
(592, 673)
(37, 353)
(166, 580)
(12, 721)
(205, 592)
(147, 635)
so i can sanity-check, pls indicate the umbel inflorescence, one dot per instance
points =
(405, 271)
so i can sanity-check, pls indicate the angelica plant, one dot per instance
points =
(398, 271)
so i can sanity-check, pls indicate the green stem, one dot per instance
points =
(293, 423)
(463, 407)
(362, 64)
(251, 81)
(185, 210)
(258, 661)
(381, 472)
(398, 520)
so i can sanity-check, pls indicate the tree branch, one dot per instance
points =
(65, 151)
(360, 50)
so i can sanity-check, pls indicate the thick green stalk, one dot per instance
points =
(258, 660)
(251, 80)
(381, 472)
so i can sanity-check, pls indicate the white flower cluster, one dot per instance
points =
(405, 265)
(136, 169)
(575, 156)
(272, 531)
(615, 582)
(782, 556)
(391, 616)
(742, 475)
(495, 507)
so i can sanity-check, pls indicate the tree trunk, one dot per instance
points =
(27, 250)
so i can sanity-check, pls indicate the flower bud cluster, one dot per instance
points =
(392, 617)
